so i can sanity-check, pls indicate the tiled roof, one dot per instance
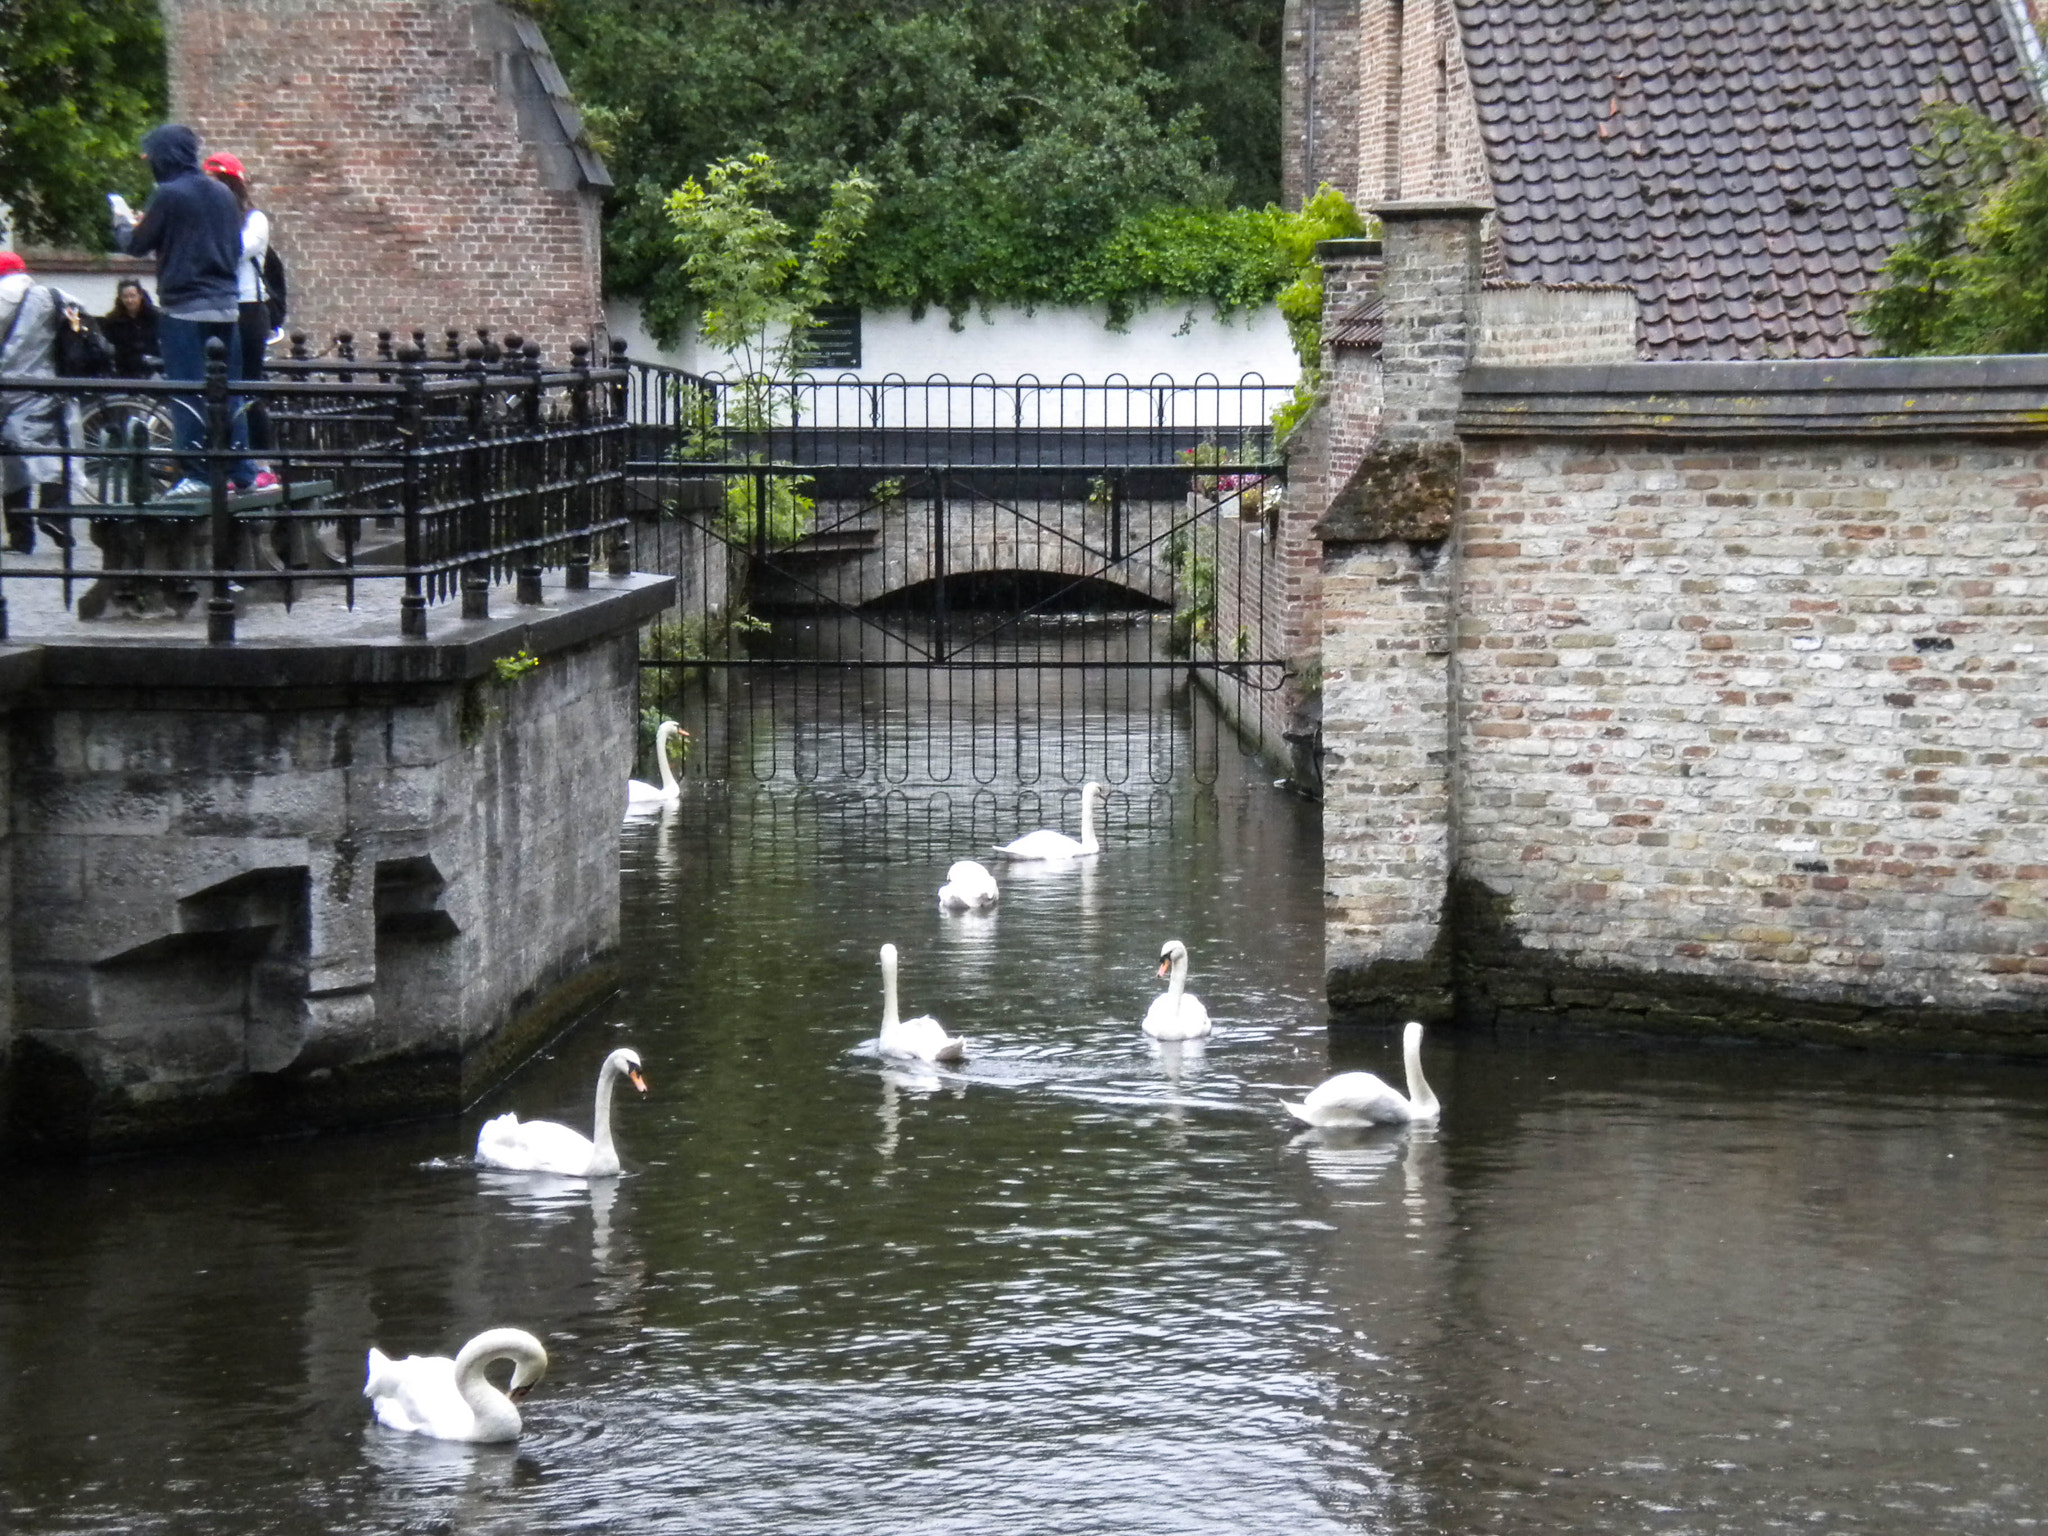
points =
(1734, 161)
(1360, 328)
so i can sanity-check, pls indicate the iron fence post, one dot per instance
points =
(616, 431)
(220, 605)
(577, 577)
(1117, 493)
(476, 533)
(530, 470)
(938, 565)
(412, 607)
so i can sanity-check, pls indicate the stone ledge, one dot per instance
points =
(456, 651)
(1848, 397)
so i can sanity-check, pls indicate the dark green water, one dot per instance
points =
(1081, 1287)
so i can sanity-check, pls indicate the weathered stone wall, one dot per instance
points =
(1533, 324)
(327, 886)
(416, 157)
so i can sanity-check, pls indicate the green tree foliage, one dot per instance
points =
(1970, 275)
(757, 290)
(80, 82)
(1021, 150)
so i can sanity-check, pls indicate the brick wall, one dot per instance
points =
(1533, 325)
(407, 156)
(1377, 102)
(1767, 717)
(1319, 97)
(1386, 776)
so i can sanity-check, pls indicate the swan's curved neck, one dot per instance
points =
(604, 1156)
(668, 774)
(1088, 843)
(1421, 1100)
(497, 1416)
(888, 991)
(1177, 981)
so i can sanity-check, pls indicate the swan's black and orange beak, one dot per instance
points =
(518, 1394)
(1165, 964)
(633, 1075)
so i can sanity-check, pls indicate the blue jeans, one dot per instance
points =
(183, 345)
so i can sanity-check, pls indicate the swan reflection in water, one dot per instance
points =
(1359, 1157)
(903, 1083)
(551, 1198)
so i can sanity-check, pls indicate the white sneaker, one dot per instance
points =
(187, 488)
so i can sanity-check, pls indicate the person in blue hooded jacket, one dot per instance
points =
(193, 226)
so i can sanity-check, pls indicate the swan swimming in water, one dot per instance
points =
(644, 796)
(1359, 1098)
(1176, 1013)
(1047, 844)
(454, 1399)
(924, 1038)
(542, 1146)
(968, 888)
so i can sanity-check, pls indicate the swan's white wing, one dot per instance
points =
(1042, 844)
(968, 884)
(924, 1039)
(418, 1395)
(1353, 1098)
(1162, 1022)
(533, 1146)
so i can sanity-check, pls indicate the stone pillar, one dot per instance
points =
(420, 160)
(1389, 789)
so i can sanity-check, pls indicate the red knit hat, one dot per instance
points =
(11, 262)
(225, 165)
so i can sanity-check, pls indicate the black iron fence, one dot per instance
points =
(936, 581)
(443, 477)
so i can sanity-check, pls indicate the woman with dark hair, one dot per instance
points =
(254, 329)
(131, 326)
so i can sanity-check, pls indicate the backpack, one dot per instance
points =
(274, 287)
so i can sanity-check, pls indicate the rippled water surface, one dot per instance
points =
(1080, 1286)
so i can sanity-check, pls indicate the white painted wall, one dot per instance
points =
(1047, 344)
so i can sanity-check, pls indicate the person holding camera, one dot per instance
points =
(193, 226)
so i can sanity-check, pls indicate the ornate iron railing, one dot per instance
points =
(442, 477)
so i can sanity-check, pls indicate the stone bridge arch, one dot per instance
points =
(1102, 545)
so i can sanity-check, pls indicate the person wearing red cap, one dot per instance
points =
(253, 329)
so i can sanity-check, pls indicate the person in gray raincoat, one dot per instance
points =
(31, 422)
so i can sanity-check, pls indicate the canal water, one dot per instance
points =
(1081, 1286)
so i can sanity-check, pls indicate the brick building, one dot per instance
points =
(421, 162)
(1735, 162)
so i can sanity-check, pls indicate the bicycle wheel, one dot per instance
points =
(121, 437)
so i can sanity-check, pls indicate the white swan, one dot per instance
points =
(639, 793)
(542, 1146)
(453, 1399)
(1359, 1098)
(1045, 844)
(1176, 1013)
(924, 1039)
(968, 886)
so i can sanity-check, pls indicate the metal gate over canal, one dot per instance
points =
(953, 583)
